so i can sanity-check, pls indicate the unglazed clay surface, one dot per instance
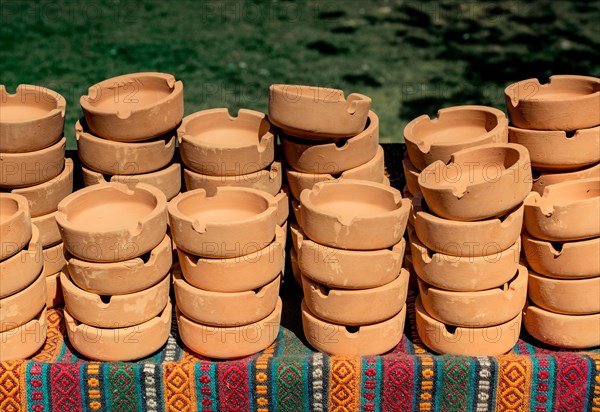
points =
(15, 224)
(568, 296)
(49, 232)
(20, 270)
(23, 341)
(411, 175)
(19, 308)
(541, 180)
(54, 259)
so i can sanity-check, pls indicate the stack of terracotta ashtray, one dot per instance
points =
(33, 164)
(23, 321)
(116, 288)
(128, 133)
(559, 123)
(231, 252)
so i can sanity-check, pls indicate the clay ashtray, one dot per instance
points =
(120, 344)
(125, 277)
(316, 112)
(568, 260)
(20, 270)
(238, 274)
(15, 224)
(472, 341)
(230, 342)
(309, 156)
(350, 214)
(556, 150)
(367, 340)
(268, 180)
(233, 222)
(541, 180)
(566, 211)
(566, 331)
(478, 183)
(532, 105)
(111, 222)
(119, 158)
(116, 311)
(19, 308)
(54, 295)
(53, 259)
(347, 269)
(295, 267)
(32, 168)
(31, 119)
(25, 340)
(411, 175)
(213, 142)
(133, 107)
(49, 232)
(373, 171)
(568, 296)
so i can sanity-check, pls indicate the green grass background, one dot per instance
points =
(411, 57)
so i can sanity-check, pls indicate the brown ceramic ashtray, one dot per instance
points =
(566, 211)
(541, 180)
(268, 180)
(473, 341)
(373, 171)
(411, 175)
(556, 150)
(111, 222)
(347, 269)
(476, 309)
(213, 142)
(317, 112)
(237, 274)
(133, 107)
(454, 129)
(54, 295)
(568, 260)
(120, 344)
(233, 341)
(234, 222)
(115, 311)
(567, 296)
(53, 259)
(15, 224)
(354, 214)
(32, 168)
(309, 156)
(125, 277)
(49, 232)
(31, 119)
(566, 331)
(20, 270)
(356, 307)
(532, 105)
(123, 158)
(478, 183)
(366, 340)
(19, 308)
(25, 340)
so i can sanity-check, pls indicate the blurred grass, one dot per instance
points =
(410, 57)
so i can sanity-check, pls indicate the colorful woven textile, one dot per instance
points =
(288, 376)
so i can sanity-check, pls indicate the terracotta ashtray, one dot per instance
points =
(54, 295)
(309, 156)
(476, 309)
(111, 222)
(54, 259)
(25, 340)
(49, 232)
(317, 112)
(168, 180)
(133, 107)
(295, 267)
(541, 180)
(454, 129)
(268, 180)
(19, 308)
(32, 168)
(125, 277)
(347, 269)
(120, 344)
(367, 340)
(237, 274)
(566, 102)
(15, 224)
(115, 311)
(566, 211)
(411, 175)
(568, 260)
(354, 214)
(213, 142)
(566, 331)
(31, 119)
(233, 341)
(556, 150)
(467, 341)
(568, 296)
(478, 183)
(373, 171)
(124, 158)
(234, 222)
(20, 270)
